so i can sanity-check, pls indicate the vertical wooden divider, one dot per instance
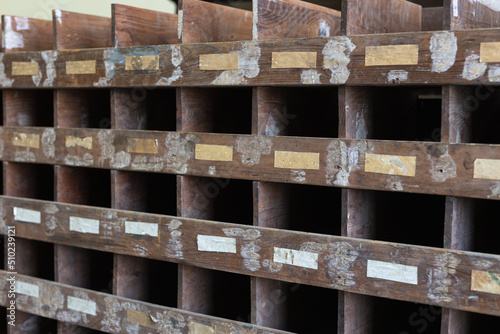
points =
(297, 19)
(456, 128)
(22, 108)
(201, 22)
(356, 112)
(71, 110)
(133, 26)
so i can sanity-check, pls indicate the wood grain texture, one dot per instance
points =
(112, 312)
(471, 14)
(429, 261)
(26, 34)
(432, 18)
(294, 19)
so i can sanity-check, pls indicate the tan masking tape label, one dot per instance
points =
(142, 319)
(26, 140)
(390, 164)
(76, 141)
(137, 63)
(213, 152)
(24, 68)
(197, 328)
(219, 62)
(490, 52)
(294, 60)
(80, 67)
(296, 160)
(148, 146)
(391, 55)
(485, 281)
(487, 169)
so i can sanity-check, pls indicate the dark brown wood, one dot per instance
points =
(467, 14)
(433, 286)
(26, 34)
(432, 18)
(116, 314)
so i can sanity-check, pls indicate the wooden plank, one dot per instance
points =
(26, 34)
(442, 169)
(435, 267)
(442, 60)
(471, 14)
(432, 18)
(113, 314)
(203, 22)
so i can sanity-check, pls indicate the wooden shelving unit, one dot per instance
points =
(304, 168)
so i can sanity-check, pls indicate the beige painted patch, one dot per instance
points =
(197, 328)
(219, 62)
(26, 140)
(213, 152)
(391, 55)
(485, 281)
(140, 63)
(140, 318)
(294, 60)
(147, 146)
(76, 141)
(487, 169)
(24, 68)
(390, 164)
(296, 160)
(80, 67)
(490, 52)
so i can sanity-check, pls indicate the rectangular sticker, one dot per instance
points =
(209, 243)
(147, 146)
(82, 305)
(296, 160)
(490, 52)
(84, 225)
(24, 68)
(80, 67)
(219, 62)
(391, 55)
(27, 216)
(213, 152)
(81, 142)
(293, 60)
(487, 169)
(139, 228)
(142, 63)
(296, 258)
(392, 272)
(390, 164)
(140, 318)
(485, 281)
(26, 140)
(27, 289)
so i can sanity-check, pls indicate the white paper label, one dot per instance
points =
(392, 272)
(82, 305)
(296, 258)
(209, 243)
(84, 225)
(139, 228)
(27, 216)
(27, 289)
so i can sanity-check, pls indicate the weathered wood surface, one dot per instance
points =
(112, 314)
(26, 34)
(471, 14)
(416, 167)
(340, 60)
(427, 275)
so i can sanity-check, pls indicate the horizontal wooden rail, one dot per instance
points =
(455, 279)
(108, 313)
(419, 58)
(468, 170)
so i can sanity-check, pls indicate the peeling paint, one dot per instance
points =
(179, 151)
(147, 163)
(443, 49)
(482, 264)
(117, 160)
(25, 156)
(397, 76)
(12, 38)
(74, 160)
(442, 165)
(177, 72)
(255, 20)
(249, 252)
(48, 140)
(4, 80)
(251, 149)
(314, 247)
(340, 257)
(324, 29)
(494, 74)
(336, 57)
(310, 77)
(111, 319)
(341, 160)
(441, 277)
(174, 245)
(110, 57)
(245, 234)
(495, 190)
(180, 18)
(49, 57)
(273, 267)
(248, 66)
(170, 322)
(473, 69)
(298, 176)
(491, 4)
